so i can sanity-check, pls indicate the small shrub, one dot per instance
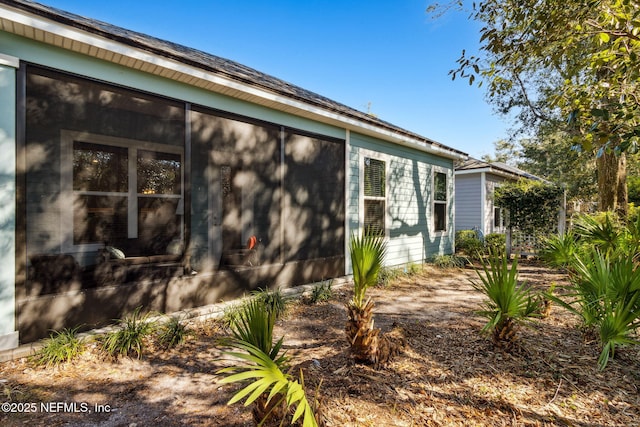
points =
(468, 243)
(412, 269)
(449, 261)
(129, 340)
(387, 275)
(173, 333)
(496, 241)
(274, 301)
(321, 292)
(61, 346)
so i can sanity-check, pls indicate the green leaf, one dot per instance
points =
(269, 378)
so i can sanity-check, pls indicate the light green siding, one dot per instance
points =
(409, 199)
(8, 335)
(409, 202)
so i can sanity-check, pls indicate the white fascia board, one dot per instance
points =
(491, 171)
(9, 61)
(472, 171)
(331, 117)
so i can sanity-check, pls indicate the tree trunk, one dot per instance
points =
(368, 345)
(612, 183)
(622, 208)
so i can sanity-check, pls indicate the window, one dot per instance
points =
(100, 184)
(374, 196)
(122, 191)
(440, 201)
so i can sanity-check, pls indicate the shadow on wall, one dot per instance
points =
(246, 178)
(417, 221)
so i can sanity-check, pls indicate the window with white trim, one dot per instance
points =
(375, 200)
(440, 201)
(123, 190)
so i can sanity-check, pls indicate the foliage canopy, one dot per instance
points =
(574, 66)
(532, 205)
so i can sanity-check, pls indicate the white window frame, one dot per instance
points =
(435, 170)
(364, 154)
(68, 194)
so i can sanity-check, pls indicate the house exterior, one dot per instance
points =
(475, 184)
(137, 172)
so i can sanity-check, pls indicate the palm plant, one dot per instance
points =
(632, 241)
(588, 286)
(269, 382)
(606, 295)
(603, 233)
(507, 303)
(558, 250)
(254, 325)
(367, 257)
(367, 345)
(620, 319)
(272, 392)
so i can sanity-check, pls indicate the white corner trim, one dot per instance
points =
(347, 200)
(483, 203)
(9, 61)
(9, 341)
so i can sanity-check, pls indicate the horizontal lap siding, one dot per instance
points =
(409, 200)
(468, 202)
(409, 207)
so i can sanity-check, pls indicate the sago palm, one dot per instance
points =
(367, 257)
(507, 303)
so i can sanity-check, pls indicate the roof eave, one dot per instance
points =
(47, 30)
(493, 171)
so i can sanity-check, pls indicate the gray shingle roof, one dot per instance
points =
(472, 164)
(212, 63)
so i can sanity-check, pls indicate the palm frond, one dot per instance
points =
(558, 250)
(267, 378)
(506, 300)
(603, 233)
(367, 257)
(616, 327)
(254, 324)
(606, 294)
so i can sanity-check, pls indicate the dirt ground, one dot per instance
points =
(447, 375)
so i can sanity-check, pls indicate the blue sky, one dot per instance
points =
(386, 57)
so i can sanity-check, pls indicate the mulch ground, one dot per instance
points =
(448, 374)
